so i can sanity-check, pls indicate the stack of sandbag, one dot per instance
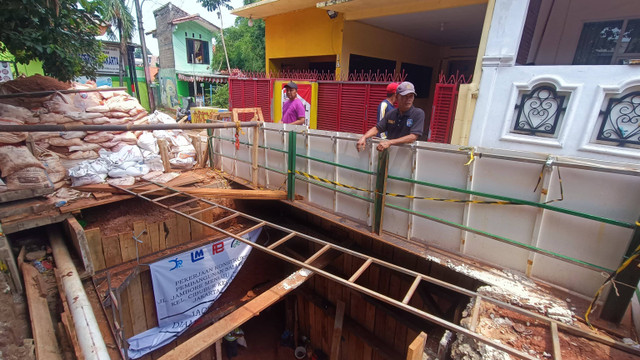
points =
(21, 170)
(90, 108)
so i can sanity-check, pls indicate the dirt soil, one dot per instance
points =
(15, 332)
(34, 83)
(533, 337)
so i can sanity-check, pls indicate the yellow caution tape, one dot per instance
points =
(327, 181)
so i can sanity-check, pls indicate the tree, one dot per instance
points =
(245, 46)
(59, 33)
(216, 5)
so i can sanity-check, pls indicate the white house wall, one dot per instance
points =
(503, 83)
(499, 172)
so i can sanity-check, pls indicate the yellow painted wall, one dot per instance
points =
(367, 40)
(302, 33)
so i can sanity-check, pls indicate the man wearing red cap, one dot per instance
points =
(292, 110)
(387, 104)
(403, 125)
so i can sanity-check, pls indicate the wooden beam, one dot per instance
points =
(556, 341)
(337, 331)
(218, 330)
(41, 324)
(416, 349)
(203, 192)
(164, 154)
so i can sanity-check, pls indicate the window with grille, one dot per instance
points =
(619, 121)
(540, 112)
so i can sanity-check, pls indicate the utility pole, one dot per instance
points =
(147, 74)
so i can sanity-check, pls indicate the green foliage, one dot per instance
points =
(220, 96)
(59, 33)
(245, 46)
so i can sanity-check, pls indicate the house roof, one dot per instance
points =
(197, 18)
(266, 8)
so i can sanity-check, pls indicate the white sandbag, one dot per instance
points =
(99, 137)
(98, 109)
(127, 153)
(135, 170)
(85, 147)
(160, 118)
(154, 162)
(147, 141)
(56, 141)
(16, 158)
(119, 146)
(72, 134)
(28, 178)
(60, 104)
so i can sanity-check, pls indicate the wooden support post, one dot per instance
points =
(416, 349)
(337, 331)
(219, 349)
(254, 155)
(556, 341)
(197, 145)
(381, 189)
(291, 168)
(210, 146)
(164, 154)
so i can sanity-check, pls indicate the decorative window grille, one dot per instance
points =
(620, 122)
(539, 112)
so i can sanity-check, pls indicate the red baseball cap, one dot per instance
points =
(391, 88)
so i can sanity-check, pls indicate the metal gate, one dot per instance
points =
(443, 111)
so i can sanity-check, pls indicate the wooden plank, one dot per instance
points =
(127, 246)
(183, 230)
(475, 313)
(182, 180)
(79, 241)
(200, 341)
(94, 240)
(101, 195)
(154, 236)
(171, 232)
(416, 349)
(144, 248)
(197, 229)
(136, 306)
(337, 331)
(557, 355)
(52, 217)
(207, 217)
(41, 323)
(111, 250)
(26, 207)
(197, 145)
(219, 349)
(12, 195)
(148, 299)
(127, 320)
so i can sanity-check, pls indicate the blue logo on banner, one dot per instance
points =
(197, 255)
(177, 265)
(409, 122)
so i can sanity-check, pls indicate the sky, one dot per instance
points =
(190, 6)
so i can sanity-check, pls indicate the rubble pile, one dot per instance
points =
(89, 155)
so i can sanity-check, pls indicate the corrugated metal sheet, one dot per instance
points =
(352, 108)
(328, 104)
(443, 112)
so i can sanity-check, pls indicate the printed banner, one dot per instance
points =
(185, 285)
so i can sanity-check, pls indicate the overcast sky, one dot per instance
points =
(190, 6)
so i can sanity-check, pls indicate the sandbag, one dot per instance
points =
(11, 137)
(98, 109)
(85, 147)
(82, 116)
(72, 134)
(80, 155)
(55, 141)
(127, 137)
(15, 112)
(123, 106)
(28, 178)
(99, 137)
(53, 118)
(16, 158)
(53, 166)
